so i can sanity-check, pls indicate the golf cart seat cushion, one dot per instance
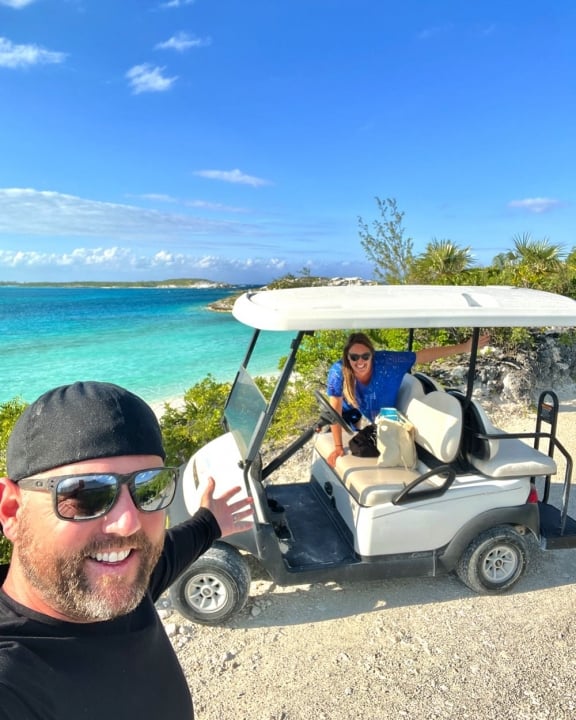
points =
(478, 423)
(515, 459)
(410, 388)
(429, 384)
(504, 457)
(437, 418)
(371, 485)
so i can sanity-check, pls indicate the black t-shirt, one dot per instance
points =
(122, 668)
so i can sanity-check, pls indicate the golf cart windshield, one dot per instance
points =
(245, 411)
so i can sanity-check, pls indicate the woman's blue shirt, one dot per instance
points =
(389, 367)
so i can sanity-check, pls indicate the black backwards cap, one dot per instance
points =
(82, 421)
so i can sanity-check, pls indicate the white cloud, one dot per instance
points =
(159, 197)
(488, 30)
(434, 31)
(16, 4)
(149, 78)
(198, 204)
(182, 42)
(16, 56)
(535, 205)
(233, 176)
(216, 207)
(25, 211)
(176, 3)
(124, 263)
(46, 235)
(118, 259)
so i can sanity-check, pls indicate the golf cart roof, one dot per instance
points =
(403, 306)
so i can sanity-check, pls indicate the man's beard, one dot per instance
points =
(64, 585)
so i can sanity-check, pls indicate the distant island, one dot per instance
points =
(171, 283)
(223, 305)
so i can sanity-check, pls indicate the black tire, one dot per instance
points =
(214, 588)
(494, 561)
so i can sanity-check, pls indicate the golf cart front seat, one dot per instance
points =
(437, 418)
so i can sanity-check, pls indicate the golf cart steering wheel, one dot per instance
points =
(332, 416)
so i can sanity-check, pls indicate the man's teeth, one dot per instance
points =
(111, 557)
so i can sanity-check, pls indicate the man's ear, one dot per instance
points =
(10, 502)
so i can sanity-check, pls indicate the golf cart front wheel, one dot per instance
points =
(214, 588)
(494, 561)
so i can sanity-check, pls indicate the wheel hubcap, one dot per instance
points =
(206, 593)
(500, 564)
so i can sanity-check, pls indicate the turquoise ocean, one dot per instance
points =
(157, 342)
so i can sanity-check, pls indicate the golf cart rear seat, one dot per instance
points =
(488, 449)
(495, 453)
(437, 418)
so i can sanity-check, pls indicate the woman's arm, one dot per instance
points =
(338, 451)
(428, 355)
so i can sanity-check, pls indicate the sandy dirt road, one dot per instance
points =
(412, 648)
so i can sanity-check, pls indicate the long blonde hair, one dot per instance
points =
(349, 385)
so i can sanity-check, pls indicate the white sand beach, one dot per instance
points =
(160, 406)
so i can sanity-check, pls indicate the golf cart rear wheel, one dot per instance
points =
(494, 561)
(214, 588)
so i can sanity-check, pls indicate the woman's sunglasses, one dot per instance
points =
(355, 357)
(92, 495)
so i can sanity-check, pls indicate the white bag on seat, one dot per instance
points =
(395, 441)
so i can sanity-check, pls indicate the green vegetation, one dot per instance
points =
(534, 263)
(187, 428)
(304, 279)
(390, 252)
(9, 412)
(5, 547)
(442, 263)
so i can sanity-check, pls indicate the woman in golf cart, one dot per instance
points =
(365, 379)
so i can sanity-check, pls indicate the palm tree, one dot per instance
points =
(443, 263)
(534, 263)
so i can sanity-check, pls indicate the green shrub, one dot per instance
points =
(185, 429)
(297, 409)
(9, 412)
(5, 550)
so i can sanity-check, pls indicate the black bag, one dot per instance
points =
(363, 444)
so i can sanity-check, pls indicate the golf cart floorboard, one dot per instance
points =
(315, 539)
(550, 522)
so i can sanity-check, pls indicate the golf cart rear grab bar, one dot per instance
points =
(408, 495)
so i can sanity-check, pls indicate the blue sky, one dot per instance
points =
(238, 141)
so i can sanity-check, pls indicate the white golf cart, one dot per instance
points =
(469, 506)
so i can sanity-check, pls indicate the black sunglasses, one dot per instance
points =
(92, 495)
(355, 357)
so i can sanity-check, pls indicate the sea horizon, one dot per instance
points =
(156, 341)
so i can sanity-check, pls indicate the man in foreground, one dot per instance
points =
(84, 506)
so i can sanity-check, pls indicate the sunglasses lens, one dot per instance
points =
(365, 356)
(85, 496)
(154, 489)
